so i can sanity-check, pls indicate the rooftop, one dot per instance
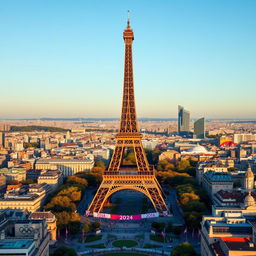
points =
(64, 160)
(41, 215)
(15, 244)
(218, 176)
(238, 244)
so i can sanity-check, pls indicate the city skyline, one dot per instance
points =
(199, 55)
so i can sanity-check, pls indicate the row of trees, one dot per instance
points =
(64, 201)
(184, 249)
(193, 201)
(192, 198)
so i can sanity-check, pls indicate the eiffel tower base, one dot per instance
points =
(146, 184)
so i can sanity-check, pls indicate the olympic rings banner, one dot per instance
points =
(126, 217)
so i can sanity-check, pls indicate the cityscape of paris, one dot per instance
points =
(128, 128)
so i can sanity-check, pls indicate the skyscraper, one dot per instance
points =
(183, 121)
(199, 128)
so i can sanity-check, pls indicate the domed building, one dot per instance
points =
(199, 152)
(249, 200)
(237, 205)
(249, 179)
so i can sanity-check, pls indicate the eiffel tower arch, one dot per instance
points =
(119, 176)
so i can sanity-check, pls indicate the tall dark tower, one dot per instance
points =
(140, 176)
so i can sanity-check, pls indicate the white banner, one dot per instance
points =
(101, 215)
(150, 215)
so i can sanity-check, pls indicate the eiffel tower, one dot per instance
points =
(118, 176)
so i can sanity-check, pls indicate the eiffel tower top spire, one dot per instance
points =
(128, 124)
(128, 18)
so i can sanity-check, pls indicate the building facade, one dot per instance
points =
(67, 166)
(14, 173)
(51, 222)
(22, 236)
(213, 182)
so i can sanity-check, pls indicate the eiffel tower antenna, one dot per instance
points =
(128, 18)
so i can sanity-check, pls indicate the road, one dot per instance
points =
(87, 198)
(175, 208)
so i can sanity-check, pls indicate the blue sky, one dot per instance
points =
(64, 58)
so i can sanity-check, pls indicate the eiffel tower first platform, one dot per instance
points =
(140, 177)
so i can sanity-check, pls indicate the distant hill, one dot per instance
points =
(32, 128)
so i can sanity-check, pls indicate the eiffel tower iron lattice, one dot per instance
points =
(118, 176)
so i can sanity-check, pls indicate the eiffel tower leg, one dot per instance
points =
(150, 188)
(155, 195)
(116, 158)
(97, 203)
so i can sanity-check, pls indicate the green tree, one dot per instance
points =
(75, 196)
(74, 227)
(185, 198)
(95, 226)
(194, 205)
(77, 180)
(187, 188)
(100, 164)
(86, 227)
(94, 177)
(60, 203)
(63, 218)
(64, 251)
(158, 226)
(155, 155)
(164, 165)
(193, 219)
(183, 165)
(184, 249)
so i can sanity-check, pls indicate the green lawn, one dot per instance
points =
(124, 254)
(97, 246)
(140, 236)
(124, 243)
(157, 238)
(152, 246)
(92, 238)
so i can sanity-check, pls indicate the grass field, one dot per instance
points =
(92, 238)
(124, 243)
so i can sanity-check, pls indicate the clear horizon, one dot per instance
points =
(65, 59)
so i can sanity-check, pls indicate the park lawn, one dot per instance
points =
(139, 236)
(97, 246)
(124, 254)
(157, 238)
(152, 246)
(124, 243)
(92, 238)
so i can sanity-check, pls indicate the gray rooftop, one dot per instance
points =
(15, 244)
(218, 176)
